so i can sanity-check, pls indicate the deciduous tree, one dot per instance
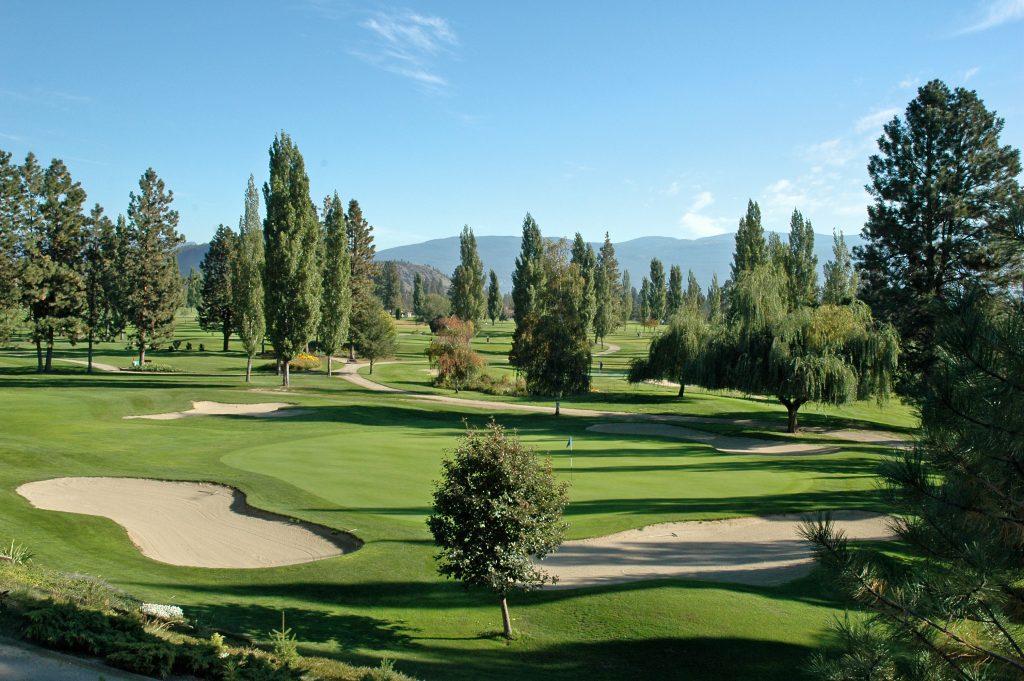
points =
(374, 333)
(840, 276)
(247, 279)
(337, 294)
(494, 299)
(656, 291)
(451, 354)
(467, 290)
(674, 299)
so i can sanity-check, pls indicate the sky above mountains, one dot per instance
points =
(657, 118)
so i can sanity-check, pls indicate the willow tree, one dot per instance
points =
(291, 235)
(830, 354)
(247, 279)
(675, 353)
(336, 305)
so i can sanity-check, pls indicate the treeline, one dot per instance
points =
(297, 276)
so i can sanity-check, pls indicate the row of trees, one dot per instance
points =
(81, 276)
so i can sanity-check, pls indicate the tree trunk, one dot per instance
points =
(286, 380)
(371, 366)
(506, 621)
(791, 409)
(351, 350)
(142, 355)
(39, 355)
(558, 407)
(88, 364)
(227, 335)
(248, 369)
(682, 387)
(48, 367)
(328, 365)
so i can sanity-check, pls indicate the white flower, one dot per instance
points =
(168, 613)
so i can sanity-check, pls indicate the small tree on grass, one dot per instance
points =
(247, 279)
(374, 335)
(675, 353)
(497, 509)
(217, 304)
(451, 354)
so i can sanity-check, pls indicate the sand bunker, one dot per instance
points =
(190, 523)
(760, 551)
(729, 444)
(263, 410)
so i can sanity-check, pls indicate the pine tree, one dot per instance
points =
(467, 290)
(33, 267)
(217, 305)
(291, 236)
(608, 291)
(10, 203)
(152, 291)
(801, 263)
(247, 279)
(336, 306)
(943, 188)
(751, 249)
(674, 299)
(656, 291)
(840, 276)
(694, 296)
(374, 333)
(101, 272)
(527, 286)
(493, 298)
(391, 288)
(364, 268)
(417, 296)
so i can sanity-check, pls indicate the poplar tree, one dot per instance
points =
(751, 249)
(715, 311)
(417, 296)
(391, 289)
(336, 306)
(694, 296)
(628, 296)
(467, 290)
(656, 291)
(291, 236)
(101, 273)
(217, 305)
(527, 285)
(840, 276)
(943, 188)
(801, 263)
(583, 255)
(364, 268)
(10, 202)
(645, 301)
(152, 290)
(609, 312)
(194, 288)
(247, 279)
(493, 298)
(674, 300)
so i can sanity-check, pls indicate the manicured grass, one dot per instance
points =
(365, 462)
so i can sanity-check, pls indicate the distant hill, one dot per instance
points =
(704, 256)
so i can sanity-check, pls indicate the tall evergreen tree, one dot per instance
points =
(467, 290)
(628, 298)
(10, 204)
(943, 187)
(217, 305)
(645, 301)
(493, 298)
(291, 236)
(375, 335)
(33, 267)
(840, 276)
(247, 278)
(364, 268)
(714, 301)
(527, 285)
(751, 249)
(391, 289)
(656, 291)
(152, 291)
(101, 272)
(801, 263)
(694, 298)
(583, 255)
(417, 296)
(336, 305)
(608, 291)
(674, 300)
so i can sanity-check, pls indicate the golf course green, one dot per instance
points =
(364, 462)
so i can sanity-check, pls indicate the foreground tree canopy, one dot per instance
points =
(497, 510)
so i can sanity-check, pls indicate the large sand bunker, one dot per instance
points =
(729, 444)
(760, 551)
(194, 524)
(263, 409)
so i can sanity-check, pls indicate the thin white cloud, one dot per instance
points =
(875, 119)
(702, 201)
(13, 138)
(697, 224)
(996, 13)
(835, 152)
(971, 73)
(908, 83)
(409, 44)
(671, 190)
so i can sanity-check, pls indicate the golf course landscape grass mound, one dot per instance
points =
(193, 524)
(724, 443)
(203, 408)
(760, 551)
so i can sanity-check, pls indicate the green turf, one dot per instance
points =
(365, 462)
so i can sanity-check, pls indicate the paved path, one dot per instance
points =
(875, 437)
(611, 348)
(23, 662)
(95, 365)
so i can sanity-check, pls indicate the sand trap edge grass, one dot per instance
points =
(192, 524)
(207, 408)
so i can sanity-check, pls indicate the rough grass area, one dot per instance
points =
(365, 462)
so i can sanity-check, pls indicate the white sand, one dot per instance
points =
(761, 551)
(263, 409)
(189, 523)
(729, 444)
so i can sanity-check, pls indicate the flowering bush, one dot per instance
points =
(167, 613)
(304, 362)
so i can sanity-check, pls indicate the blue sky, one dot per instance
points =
(651, 118)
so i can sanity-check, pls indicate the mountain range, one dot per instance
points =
(705, 256)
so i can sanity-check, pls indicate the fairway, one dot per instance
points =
(363, 462)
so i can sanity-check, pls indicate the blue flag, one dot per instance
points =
(569, 443)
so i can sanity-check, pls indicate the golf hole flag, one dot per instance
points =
(569, 443)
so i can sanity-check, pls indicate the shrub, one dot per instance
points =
(450, 353)
(188, 346)
(499, 386)
(154, 368)
(16, 554)
(202, 348)
(304, 362)
(153, 658)
(284, 645)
